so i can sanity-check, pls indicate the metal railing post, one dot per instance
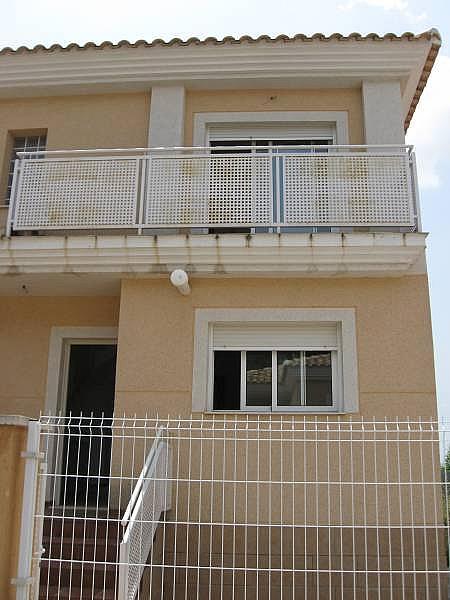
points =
(12, 199)
(415, 190)
(24, 578)
(38, 549)
(124, 558)
(145, 164)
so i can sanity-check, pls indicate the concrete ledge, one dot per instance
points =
(116, 257)
(16, 420)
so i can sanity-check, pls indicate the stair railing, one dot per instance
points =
(151, 497)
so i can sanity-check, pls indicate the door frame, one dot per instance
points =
(65, 362)
(61, 340)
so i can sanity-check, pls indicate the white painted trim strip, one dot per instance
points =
(205, 318)
(203, 120)
(58, 336)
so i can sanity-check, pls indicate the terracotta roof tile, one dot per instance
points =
(431, 35)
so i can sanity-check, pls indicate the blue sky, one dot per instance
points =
(49, 21)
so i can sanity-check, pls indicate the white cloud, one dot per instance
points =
(400, 6)
(386, 4)
(430, 127)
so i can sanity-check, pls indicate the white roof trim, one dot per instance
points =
(242, 65)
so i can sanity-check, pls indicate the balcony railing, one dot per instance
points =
(274, 187)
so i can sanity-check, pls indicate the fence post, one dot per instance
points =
(32, 456)
(124, 558)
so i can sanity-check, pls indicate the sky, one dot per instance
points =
(31, 22)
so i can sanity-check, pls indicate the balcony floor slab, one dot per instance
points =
(109, 258)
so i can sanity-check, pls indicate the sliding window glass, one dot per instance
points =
(272, 379)
(289, 378)
(258, 378)
(318, 379)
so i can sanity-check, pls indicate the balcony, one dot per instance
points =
(276, 189)
(306, 211)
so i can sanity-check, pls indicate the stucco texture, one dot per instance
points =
(277, 100)
(25, 326)
(75, 122)
(156, 329)
(394, 344)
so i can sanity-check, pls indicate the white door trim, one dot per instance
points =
(60, 337)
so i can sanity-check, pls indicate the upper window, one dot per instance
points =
(24, 143)
(280, 146)
(276, 148)
(271, 133)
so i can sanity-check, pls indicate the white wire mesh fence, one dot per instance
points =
(273, 507)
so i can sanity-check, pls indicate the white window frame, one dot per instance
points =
(335, 380)
(41, 146)
(203, 121)
(345, 378)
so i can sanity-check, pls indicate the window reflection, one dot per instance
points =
(259, 378)
(318, 378)
(289, 371)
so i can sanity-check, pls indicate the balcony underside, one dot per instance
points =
(96, 264)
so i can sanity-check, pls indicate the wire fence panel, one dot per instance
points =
(247, 507)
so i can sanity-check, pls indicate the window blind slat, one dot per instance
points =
(289, 131)
(287, 335)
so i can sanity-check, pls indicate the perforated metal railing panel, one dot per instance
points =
(209, 190)
(347, 190)
(80, 193)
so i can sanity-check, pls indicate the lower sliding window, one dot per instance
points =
(274, 379)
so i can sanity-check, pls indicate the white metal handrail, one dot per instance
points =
(199, 187)
(140, 482)
(149, 499)
(398, 148)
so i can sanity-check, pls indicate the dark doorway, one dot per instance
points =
(86, 456)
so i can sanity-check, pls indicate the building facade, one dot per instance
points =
(225, 229)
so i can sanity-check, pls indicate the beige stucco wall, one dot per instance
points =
(394, 345)
(277, 100)
(12, 443)
(395, 368)
(25, 325)
(100, 121)
(156, 325)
